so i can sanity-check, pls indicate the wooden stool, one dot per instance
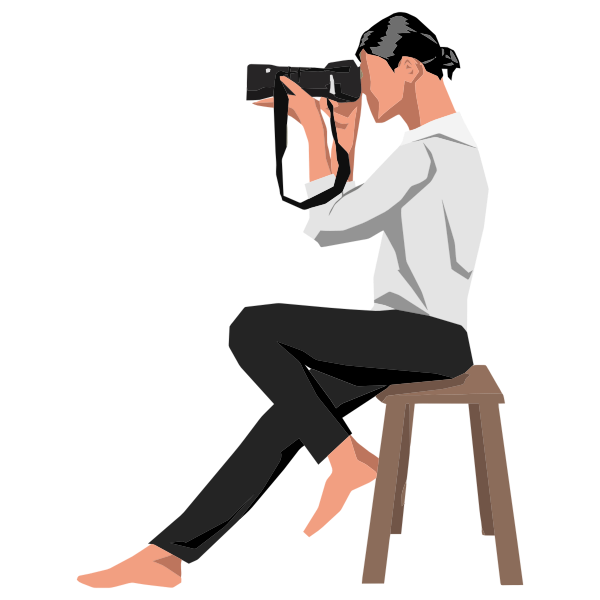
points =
(478, 389)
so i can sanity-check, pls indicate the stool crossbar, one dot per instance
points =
(478, 389)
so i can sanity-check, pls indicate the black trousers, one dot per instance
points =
(316, 365)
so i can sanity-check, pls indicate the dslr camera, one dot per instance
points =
(338, 81)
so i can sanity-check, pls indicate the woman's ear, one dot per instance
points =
(410, 69)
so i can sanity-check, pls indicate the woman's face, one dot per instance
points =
(383, 87)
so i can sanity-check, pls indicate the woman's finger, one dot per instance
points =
(266, 102)
(292, 85)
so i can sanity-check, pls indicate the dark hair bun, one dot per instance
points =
(449, 61)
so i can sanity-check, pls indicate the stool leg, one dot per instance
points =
(481, 475)
(383, 498)
(502, 510)
(403, 465)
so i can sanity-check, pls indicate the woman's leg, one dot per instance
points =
(346, 356)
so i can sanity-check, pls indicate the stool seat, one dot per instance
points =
(477, 388)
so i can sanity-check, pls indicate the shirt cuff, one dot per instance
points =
(318, 215)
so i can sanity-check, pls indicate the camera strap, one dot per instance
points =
(280, 112)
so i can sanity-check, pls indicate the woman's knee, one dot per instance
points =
(239, 332)
(250, 327)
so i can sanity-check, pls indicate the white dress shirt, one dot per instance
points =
(429, 199)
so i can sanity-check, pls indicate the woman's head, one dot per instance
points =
(397, 51)
(401, 35)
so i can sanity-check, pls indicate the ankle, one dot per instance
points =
(172, 563)
(154, 553)
(343, 453)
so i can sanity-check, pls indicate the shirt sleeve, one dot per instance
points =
(361, 212)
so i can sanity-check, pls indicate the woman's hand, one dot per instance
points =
(302, 107)
(347, 117)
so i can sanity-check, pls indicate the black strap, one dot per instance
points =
(280, 112)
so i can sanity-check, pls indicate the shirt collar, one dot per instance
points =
(451, 126)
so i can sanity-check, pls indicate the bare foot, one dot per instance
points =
(151, 566)
(348, 473)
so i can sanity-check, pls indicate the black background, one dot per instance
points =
(177, 227)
